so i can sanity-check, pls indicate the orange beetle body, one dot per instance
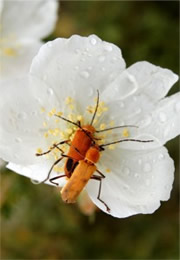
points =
(80, 144)
(81, 175)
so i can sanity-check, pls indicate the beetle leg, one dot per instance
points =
(99, 178)
(55, 178)
(53, 147)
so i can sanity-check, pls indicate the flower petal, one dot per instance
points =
(21, 119)
(17, 57)
(138, 181)
(163, 121)
(153, 80)
(36, 19)
(89, 62)
(37, 172)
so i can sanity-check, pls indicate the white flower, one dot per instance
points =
(23, 25)
(64, 78)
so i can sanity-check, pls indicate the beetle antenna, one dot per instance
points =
(111, 128)
(127, 140)
(95, 111)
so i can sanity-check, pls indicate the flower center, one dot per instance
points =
(56, 129)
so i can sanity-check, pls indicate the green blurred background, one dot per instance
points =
(35, 224)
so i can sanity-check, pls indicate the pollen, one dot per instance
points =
(52, 112)
(58, 169)
(111, 123)
(39, 150)
(79, 118)
(45, 124)
(102, 126)
(69, 130)
(125, 133)
(43, 109)
(111, 147)
(46, 135)
(68, 100)
(9, 52)
(108, 170)
(59, 113)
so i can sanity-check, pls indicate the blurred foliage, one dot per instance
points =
(35, 224)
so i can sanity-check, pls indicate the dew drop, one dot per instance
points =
(49, 45)
(44, 77)
(126, 171)
(84, 74)
(76, 67)
(177, 107)
(121, 104)
(35, 181)
(50, 91)
(148, 182)
(147, 120)
(126, 187)
(22, 115)
(140, 161)
(93, 41)
(162, 117)
(18, 140)
(136, 175)
(101, 58)
(161, 156)
(147, 167)
(108, 47)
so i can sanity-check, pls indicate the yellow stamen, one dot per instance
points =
(108, 170)
(125, 133)
(102, 126)
(43, 109)
(9, 52)
(39, 150)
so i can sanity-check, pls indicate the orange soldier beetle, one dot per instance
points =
(82, 156)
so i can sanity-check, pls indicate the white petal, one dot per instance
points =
(1, 7)
(21, 119)
(153, 80)
(78, 66)
(137, 183)
(17, 57)
(164, 121)
(28, 19)
(122, 87)
(37, 172)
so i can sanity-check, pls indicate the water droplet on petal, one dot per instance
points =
(136, 175)
(101, 58)
(22, 115)
(140, 161)
(44, 77)
(161, 156)
(148, 182)
(177, 107)
(18, 140)
(108, 47)
(162, 117)
(84, 74)
(49, 44)
(126, 187)
(35, 181)
(126, 171)
(93, 41)
(121, 104)
(50, 91)
(147, 120)
(147, 167)
(76, 67)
